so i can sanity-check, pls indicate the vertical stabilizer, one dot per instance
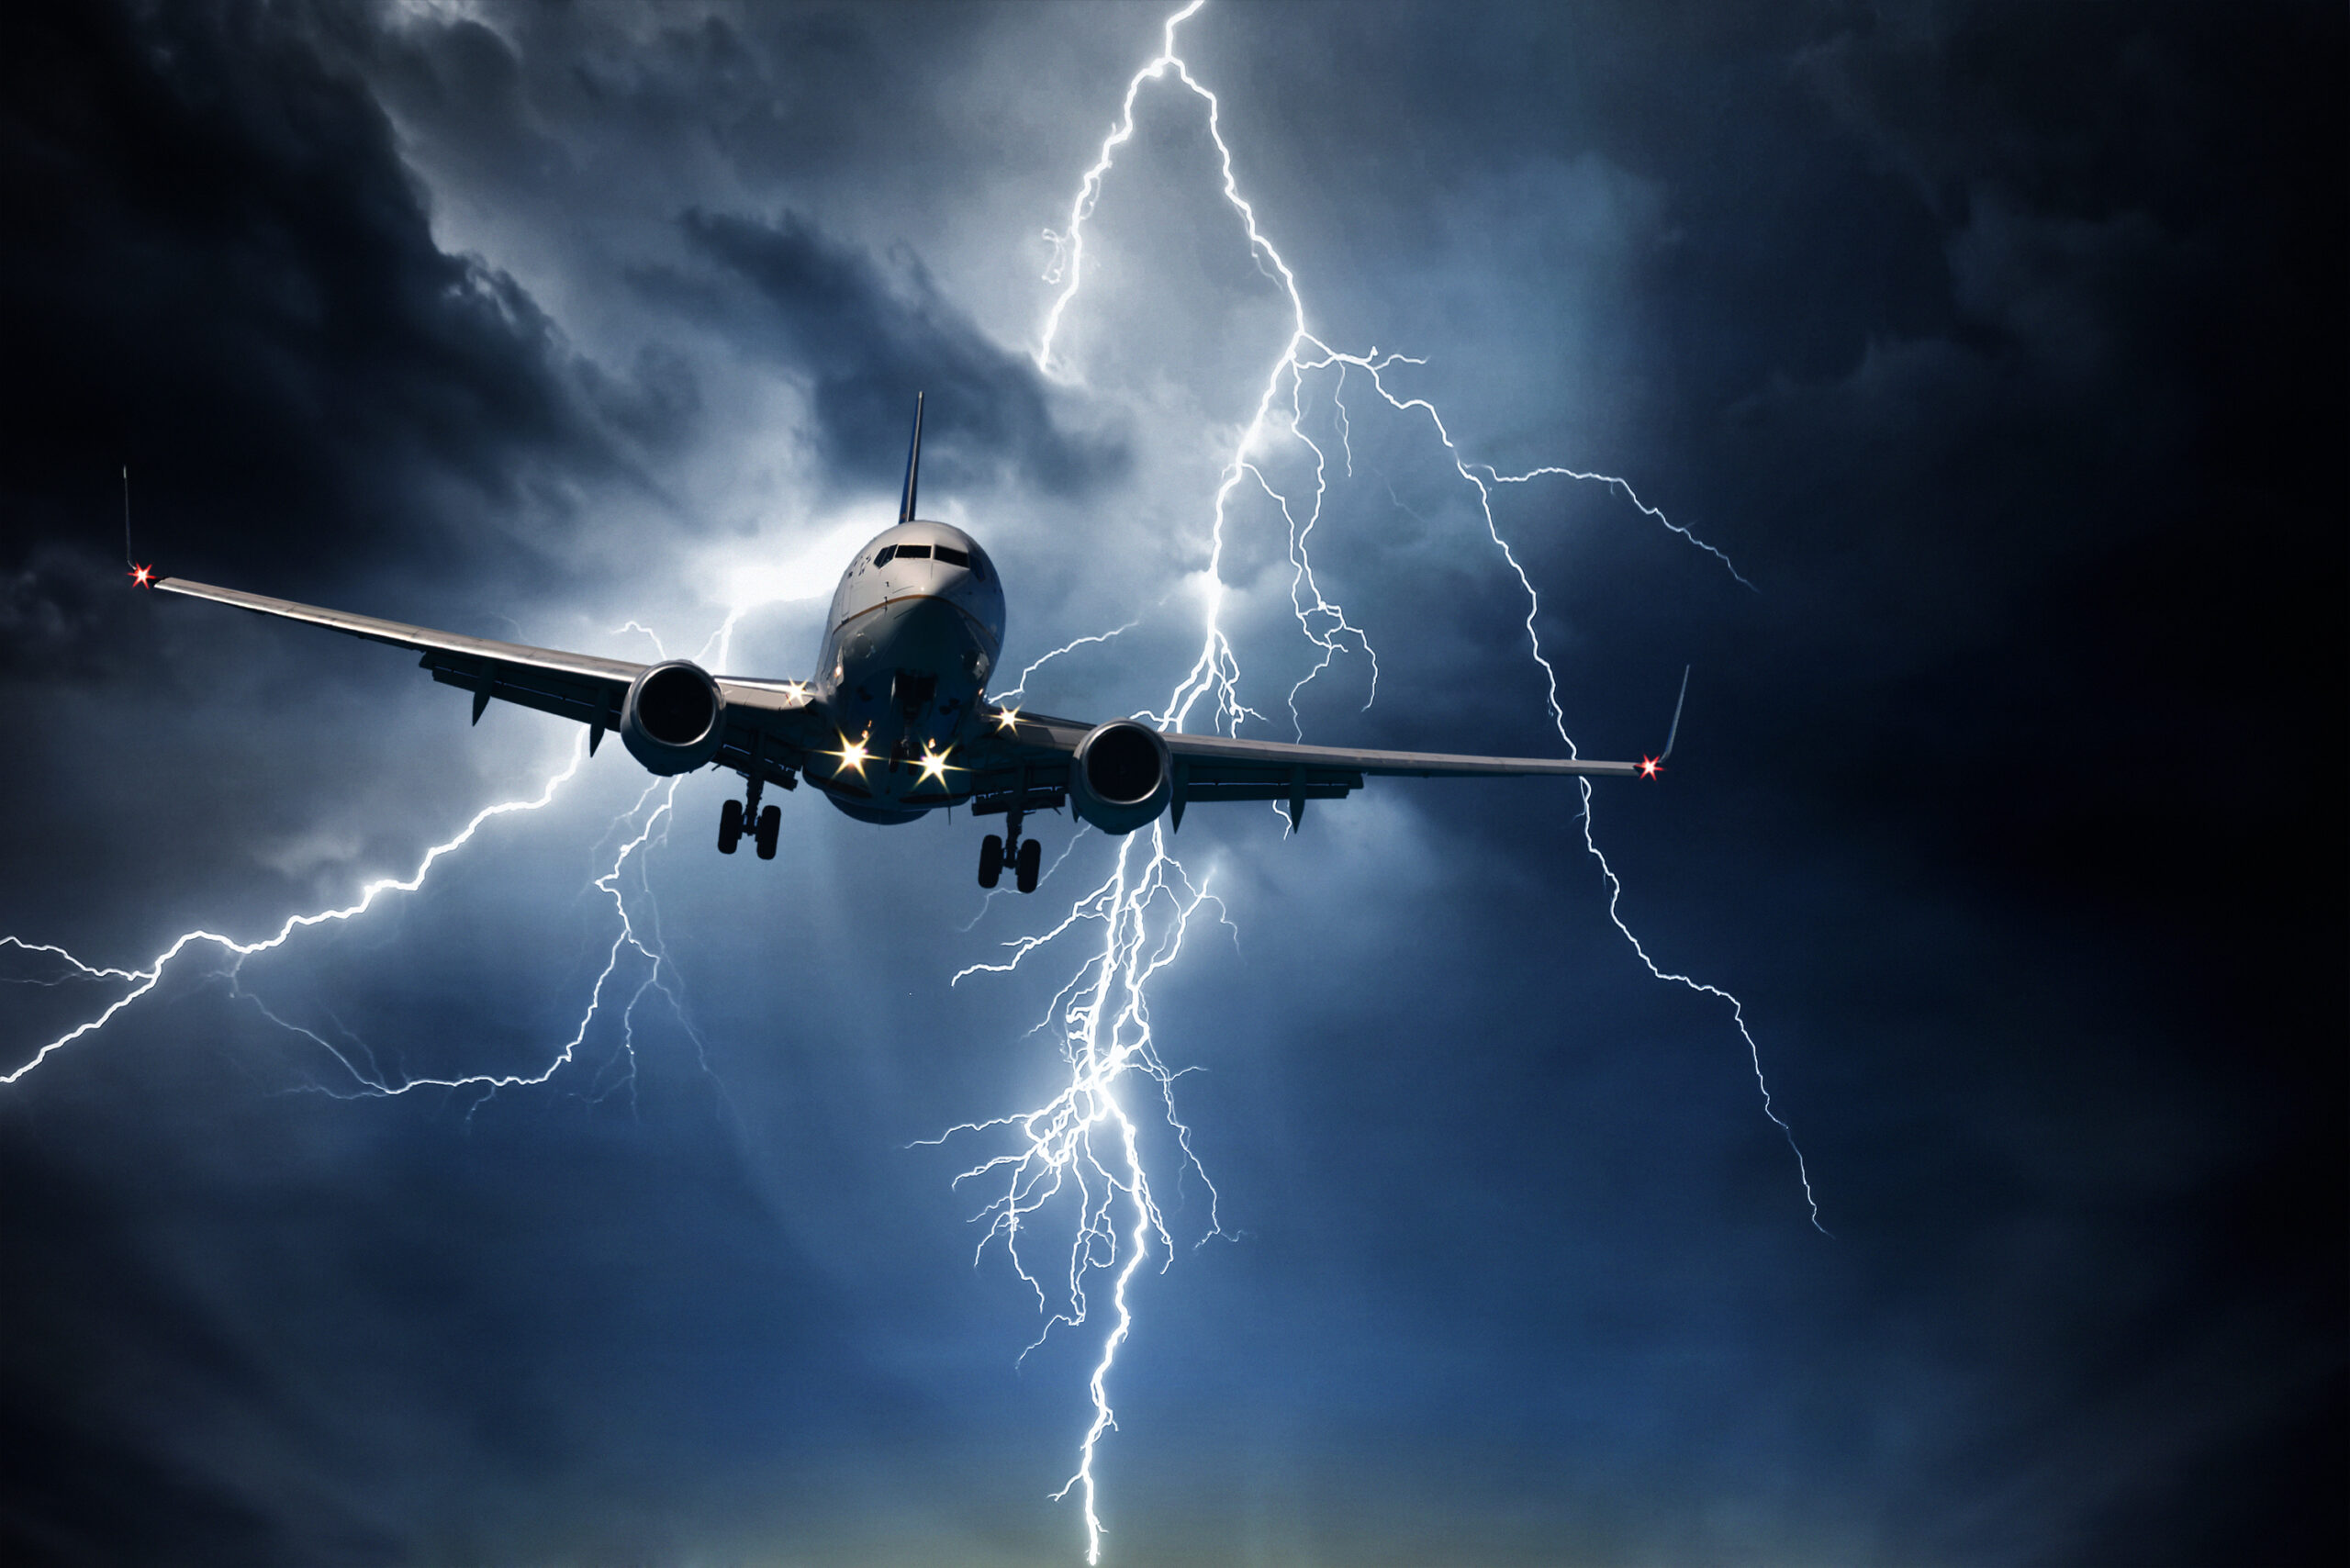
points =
(913, 466)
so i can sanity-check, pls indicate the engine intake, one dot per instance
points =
(1122, 776)
(674, 717)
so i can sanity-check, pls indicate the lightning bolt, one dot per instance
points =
(1004, 699)
(144, 982)
(642, 824)
(1084, 1150)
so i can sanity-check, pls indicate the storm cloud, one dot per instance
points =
(221, 272)
(2002, 349)
(860, 337)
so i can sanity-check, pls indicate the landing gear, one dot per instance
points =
(736, 818)
(1026, 857)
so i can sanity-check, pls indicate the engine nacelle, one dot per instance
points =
(674, 717)
(1122, 776)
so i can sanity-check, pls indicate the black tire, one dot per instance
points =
(729, 826)
(1032, 856)
(990, 860)
(770, 828)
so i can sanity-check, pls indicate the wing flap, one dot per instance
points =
(1310, 790)
(754, 749)
(1246, 761)
(1209, 752)
(595, 703)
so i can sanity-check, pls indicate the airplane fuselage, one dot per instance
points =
(916, 627)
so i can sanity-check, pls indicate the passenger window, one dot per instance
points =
(952, 556)
(883, 558)
(913, 552)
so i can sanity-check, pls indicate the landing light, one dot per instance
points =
(853, 755)
(1007, 719)
(933, 764)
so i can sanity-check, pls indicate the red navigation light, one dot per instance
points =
(143, 577)
(1650, 767)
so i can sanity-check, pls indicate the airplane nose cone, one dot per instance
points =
(921, 632)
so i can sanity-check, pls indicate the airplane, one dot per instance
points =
(896, 723)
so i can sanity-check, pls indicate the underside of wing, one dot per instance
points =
(1029, 763)
(772, 729)
(1214, 752)
(766, 728)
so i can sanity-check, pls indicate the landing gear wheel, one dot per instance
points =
(770, 825)
(1032, 855)
(990, 860)
(729, 826)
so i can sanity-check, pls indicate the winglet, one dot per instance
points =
(1674, 733)
(1653, 766)
(913, 466)
(142, 576)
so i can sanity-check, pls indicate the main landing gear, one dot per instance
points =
(1026, 857)
(738, 817)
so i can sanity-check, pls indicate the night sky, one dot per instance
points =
(2001, 348)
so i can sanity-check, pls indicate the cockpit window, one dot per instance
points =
(888, 551)
(952, 556)
(980, 568)
(913, 552)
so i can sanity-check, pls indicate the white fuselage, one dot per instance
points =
(916, 629)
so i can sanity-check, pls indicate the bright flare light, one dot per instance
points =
(933, 766)
(791, 569)
(853, 755)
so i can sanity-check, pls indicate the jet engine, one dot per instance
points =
(674, 717)
(1122, 776)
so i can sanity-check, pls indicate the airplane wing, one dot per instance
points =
(1027, 766)
(776, 728)
(771, 725)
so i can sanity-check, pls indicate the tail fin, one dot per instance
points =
(913, 466)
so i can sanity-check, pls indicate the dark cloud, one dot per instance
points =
(2002, 348)
(220, 274)
(866, 335)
